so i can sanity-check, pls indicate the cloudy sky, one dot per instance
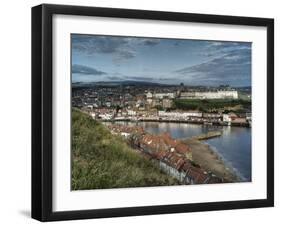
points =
(168, 61)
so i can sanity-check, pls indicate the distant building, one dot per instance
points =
(108, 104)
(167, 103)
(219, 94)
(249, 116)
(132, 113)
(105, 116)
(239, 120)
(233, 119)
(180, 115)
(149, 95)
(226, 119)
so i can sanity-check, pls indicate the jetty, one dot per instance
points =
(204, 136)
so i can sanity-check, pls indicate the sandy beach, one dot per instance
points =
(208, 159)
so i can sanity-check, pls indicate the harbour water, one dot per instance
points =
(234, 146)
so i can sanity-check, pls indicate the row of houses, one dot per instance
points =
(171, 155)
(125, 131)
(180, 114)
(183, 170)
(228, 119)
(151, 144)
(189, 116)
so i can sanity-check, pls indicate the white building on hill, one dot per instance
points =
(150, 95)
(219, 94)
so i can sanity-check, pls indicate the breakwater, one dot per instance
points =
(208, 135)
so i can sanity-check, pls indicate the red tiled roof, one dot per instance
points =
(160, 155)
(182, 148)
(154, 142)
(168, 139)
(186, 166)
(198, 175)
(172, 159)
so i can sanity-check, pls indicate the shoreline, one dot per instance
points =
(227, 163)
(210, 160)
(246, 125)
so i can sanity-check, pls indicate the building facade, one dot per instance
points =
(219, 94)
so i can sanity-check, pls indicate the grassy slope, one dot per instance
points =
(101, 160)
(206, 105)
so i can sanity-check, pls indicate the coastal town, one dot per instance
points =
(113, 104)
(162, 104)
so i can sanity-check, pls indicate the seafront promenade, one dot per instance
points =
(215, 119)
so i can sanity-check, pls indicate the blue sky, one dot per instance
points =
(168, 61)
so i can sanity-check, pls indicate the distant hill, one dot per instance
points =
(146, 84)
(101, 160)
(116, 83)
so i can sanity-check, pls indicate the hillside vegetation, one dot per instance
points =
(212, 105)
(101, 160)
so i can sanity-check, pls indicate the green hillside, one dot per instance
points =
(101, 160)
(211, 104)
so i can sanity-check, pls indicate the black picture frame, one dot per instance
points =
(42, 111)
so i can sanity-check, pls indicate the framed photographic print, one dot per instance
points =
(145, 112)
